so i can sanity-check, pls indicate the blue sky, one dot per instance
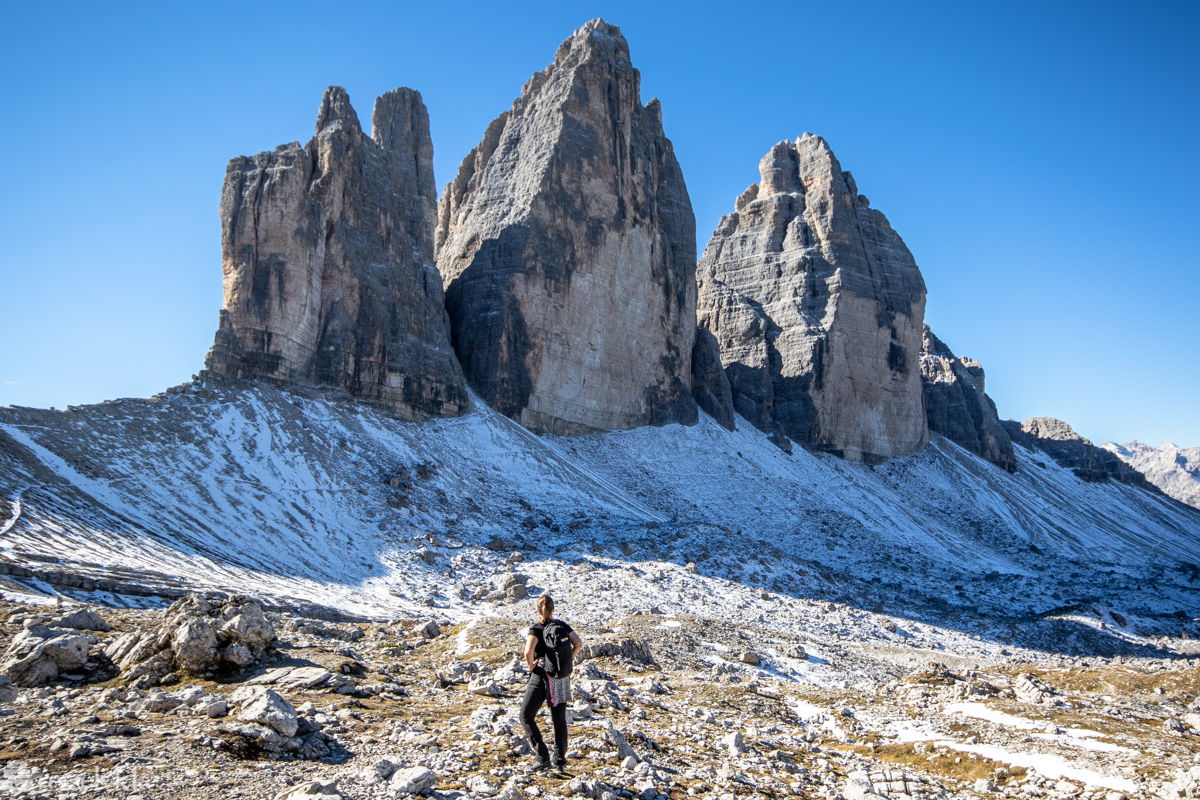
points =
(1039, 159)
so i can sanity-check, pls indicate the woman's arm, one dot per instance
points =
(530, 650)
(578, 643)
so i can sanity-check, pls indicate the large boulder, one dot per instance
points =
(267, 707)
(818, 308)
(39, 654)
(198, 636)
(328, 263)
(567, 243)
(957, 405)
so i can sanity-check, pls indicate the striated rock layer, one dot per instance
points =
(567, 244)
(958, 407)
(328, 263)
(818, 308)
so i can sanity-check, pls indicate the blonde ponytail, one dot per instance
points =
(545, 608)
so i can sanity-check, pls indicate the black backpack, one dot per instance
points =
(559, 650)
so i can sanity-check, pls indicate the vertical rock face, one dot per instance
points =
(567, 244)
(710, 384)
(957, 406)
(818, 308)
(328, 263)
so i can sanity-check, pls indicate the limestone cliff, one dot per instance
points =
(567, 245)
(958, 407)
(328, 263)
(818, 308)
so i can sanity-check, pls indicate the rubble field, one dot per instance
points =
(662, 706)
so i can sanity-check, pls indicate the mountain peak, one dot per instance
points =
(336, 108)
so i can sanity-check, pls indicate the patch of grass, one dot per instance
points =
(959, 766)
(1116, 680)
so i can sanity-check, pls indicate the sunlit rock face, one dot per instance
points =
(567, 246)
(328, 263)
(818, 307)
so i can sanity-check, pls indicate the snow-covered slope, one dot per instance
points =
(1175, 470)
(286, 495)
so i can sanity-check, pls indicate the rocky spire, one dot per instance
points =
(328, 263)
(818, 308)
(957, 405)
(567, 243)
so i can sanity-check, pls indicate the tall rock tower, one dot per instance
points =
(567, 244)
(328, 263)
(818, 308)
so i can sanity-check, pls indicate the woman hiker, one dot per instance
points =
(543, 688)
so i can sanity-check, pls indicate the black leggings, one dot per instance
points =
(535, 695)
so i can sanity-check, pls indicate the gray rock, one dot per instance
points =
(246, 625)
(266, 707)
(195, 645)
(413, 780)
(618, 741)
(734, 744)
(83, 619)
(480, 786)
(38, 655)
(957, 405)
(567, 243)
(190, 636)
(328, 263)
(237, 654)
(310, 790)
(818, 308)
(430, 630)
(485, 687)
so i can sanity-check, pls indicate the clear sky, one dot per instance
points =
(1040, 160)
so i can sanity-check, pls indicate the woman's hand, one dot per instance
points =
(531, 650)
(577, 642)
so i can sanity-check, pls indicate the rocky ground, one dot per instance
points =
(663, 705)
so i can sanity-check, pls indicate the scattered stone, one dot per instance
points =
(734, 743)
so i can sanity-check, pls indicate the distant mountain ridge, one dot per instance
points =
(1173, 469)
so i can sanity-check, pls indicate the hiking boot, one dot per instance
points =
(540, 766)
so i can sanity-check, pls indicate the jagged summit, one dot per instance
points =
(336, 110)
(567, 243)
(1174, 470)
(327, 258)
(818, 308)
